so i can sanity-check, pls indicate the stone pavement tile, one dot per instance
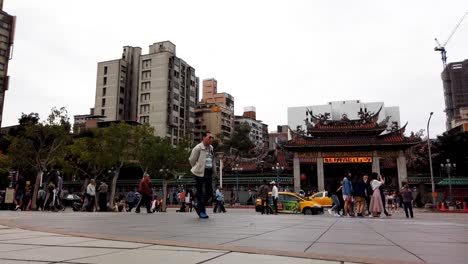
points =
(107, 244)
(235, 258)
(287, 235)
(9, 261)
(399, 237)
(202, 239)
(12, 231)
(439, 249)
(51, 241)
(161, 247)
(151, 256)
(16, 236)
(270, 244)
(352, 237)
(56, 253)
(444, 259)
(368, 251)
(13, 247)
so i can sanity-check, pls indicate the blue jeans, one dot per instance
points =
(204, 190)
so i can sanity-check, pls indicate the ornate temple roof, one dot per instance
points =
(365, 131)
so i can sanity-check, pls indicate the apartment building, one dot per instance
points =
(7, 32)
(158, 88)
(215, 112)
(258, 130)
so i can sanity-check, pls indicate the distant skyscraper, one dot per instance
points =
(7, 30)
(455, 81)
(157, 88)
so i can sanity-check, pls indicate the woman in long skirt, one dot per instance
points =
(376, 206)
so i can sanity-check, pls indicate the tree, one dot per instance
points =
(5, 164)
(40, 145)
(119, 147)
(455, 148)
(88, 157)
(159, 158)
(239, 142)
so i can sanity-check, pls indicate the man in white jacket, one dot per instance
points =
(202, 160)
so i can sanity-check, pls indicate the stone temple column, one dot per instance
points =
(297, 172)
(320, 173)
(401, 165)
(375, 163)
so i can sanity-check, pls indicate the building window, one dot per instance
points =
(104, 91)
(145, 86)
(145, 97)
(105, 70)
(3, 39)
(122, 90)
(3, 52)
(146, 64)
(144, 119)
(175, 107)
(176, 120)
(121, 100)
(103, 112)
(120, 111)
(144, 108)
(103, 102)
(104, 81)
(146, 74)
(2, 67)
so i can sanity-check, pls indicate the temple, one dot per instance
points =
(327, 149)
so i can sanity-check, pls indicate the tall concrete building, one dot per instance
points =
(7, 35)
(455, 81)
(258, 130)
(157, 88)
(215, 113)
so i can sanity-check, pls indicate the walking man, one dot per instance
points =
(202, 160)
(407, 199)
(263, 194)
(274, 195)
(145, 191)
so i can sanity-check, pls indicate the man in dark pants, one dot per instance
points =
(263, 194)
(145, 191)
(203, 162)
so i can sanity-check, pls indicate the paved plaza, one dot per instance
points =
(239, 235)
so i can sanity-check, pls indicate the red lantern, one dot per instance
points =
(303, 177)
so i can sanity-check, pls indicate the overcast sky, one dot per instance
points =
(268, 54)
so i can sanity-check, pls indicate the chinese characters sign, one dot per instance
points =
(348, 160)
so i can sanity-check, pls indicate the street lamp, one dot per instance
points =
(237, 169)
(448, 168)
(278, 169)
(220, 156)
(430, 160)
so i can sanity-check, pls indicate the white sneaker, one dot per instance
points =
(330, 211)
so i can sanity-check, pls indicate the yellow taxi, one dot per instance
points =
(321, 198)
(292, 203)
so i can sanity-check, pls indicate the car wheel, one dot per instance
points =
(308, 211)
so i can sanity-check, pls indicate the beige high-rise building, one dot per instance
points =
(215, 113)
(157, 88)
(7, 31)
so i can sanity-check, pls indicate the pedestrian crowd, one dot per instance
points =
(367, 197)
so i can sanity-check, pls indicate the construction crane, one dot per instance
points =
(441, 47)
